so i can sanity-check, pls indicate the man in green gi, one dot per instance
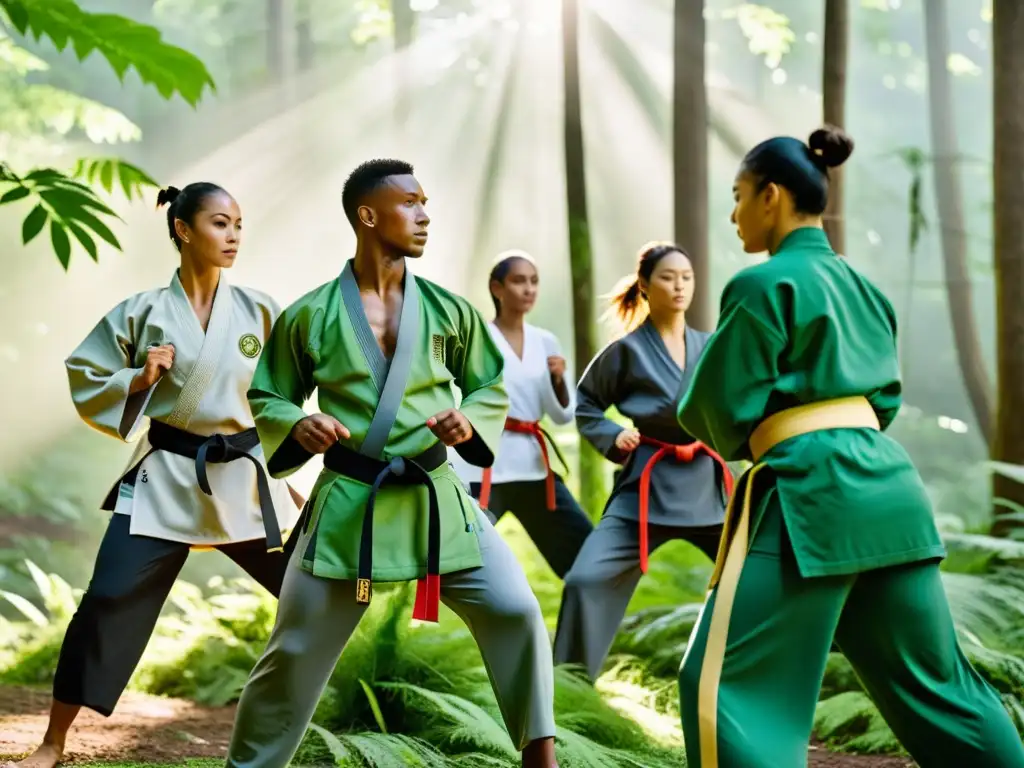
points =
(830, 535)
(382, 347)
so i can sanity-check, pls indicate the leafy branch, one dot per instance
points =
(69, 206)
(124, 43)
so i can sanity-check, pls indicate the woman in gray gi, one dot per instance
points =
(670, 486)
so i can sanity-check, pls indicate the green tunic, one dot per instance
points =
(323, 342)
(800, 328)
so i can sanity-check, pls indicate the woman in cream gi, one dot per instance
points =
(670, 487)
(182, 358)
(522, 480)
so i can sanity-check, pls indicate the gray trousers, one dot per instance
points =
(601, 583)
(316, 617)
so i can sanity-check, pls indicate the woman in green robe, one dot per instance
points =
(830, 535)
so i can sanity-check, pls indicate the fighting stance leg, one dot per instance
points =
(897, 632)
(598, 589)
(752, 671)
(110, 629)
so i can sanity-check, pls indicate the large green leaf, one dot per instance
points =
(124, 43)
(69, 206)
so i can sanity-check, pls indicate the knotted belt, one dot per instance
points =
(680, 453)
(209, 449)
(543, 438)
(398, 471)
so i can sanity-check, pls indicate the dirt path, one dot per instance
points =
(149, 729)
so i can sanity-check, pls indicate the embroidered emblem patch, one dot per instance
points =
(437, 347)
(249, 345)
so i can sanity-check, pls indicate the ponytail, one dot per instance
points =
(627, 302)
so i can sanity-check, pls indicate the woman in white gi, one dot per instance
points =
(670, 486)
(180, 357)
(522, 480)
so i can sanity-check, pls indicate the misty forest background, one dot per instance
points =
(577, 130)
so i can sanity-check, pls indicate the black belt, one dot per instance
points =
(213, 449)
(398, 471)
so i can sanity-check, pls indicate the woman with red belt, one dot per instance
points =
(522, 480)
(670, 486)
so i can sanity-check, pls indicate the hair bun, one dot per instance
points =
(831, 145)
(167, 195)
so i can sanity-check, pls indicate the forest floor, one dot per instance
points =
(149, 730)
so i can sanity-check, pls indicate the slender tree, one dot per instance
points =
(1008, 170)
(951, 218)
(690, 153)
(833, 89)
(592, 490)
(403, 20)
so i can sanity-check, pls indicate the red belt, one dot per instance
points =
(682, 453)
(527, 428)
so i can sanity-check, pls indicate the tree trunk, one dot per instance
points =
(305, 53)
(403, 19)
(1008, 162)
(833, 88)
(690, 154)
(951, 218)
(591, 489)
(276, 47)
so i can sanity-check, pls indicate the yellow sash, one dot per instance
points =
(847, 412)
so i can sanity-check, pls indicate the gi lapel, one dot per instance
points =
(694, 346)
(391, 379)
(202, 373)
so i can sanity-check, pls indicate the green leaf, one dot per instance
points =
(18, 193)
(97, 226)
(61, 244)
(83, 237)
(131, 178)
(33, 224)
(374, 706)
(67, 201)
(107, 175)
(124, 43)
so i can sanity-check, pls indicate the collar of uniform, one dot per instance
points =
(804, 238)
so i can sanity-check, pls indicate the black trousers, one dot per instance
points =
(117, 614)
(559, 534)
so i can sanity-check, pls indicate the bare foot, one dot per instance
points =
(45, 756)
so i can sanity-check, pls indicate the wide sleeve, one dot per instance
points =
(477, 366)
(281, 384)
(100, 373)
(728, 393)
(558, 413)
(602, 386)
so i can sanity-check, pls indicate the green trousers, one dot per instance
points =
(892, 624)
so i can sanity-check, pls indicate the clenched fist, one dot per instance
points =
(627, 440)
(451, 427)
(158, 361)
(556, 367)
(319, 432)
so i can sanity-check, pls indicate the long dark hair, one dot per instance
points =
(627, 300)
(185, 203)
(801, 168)
(502, 266)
